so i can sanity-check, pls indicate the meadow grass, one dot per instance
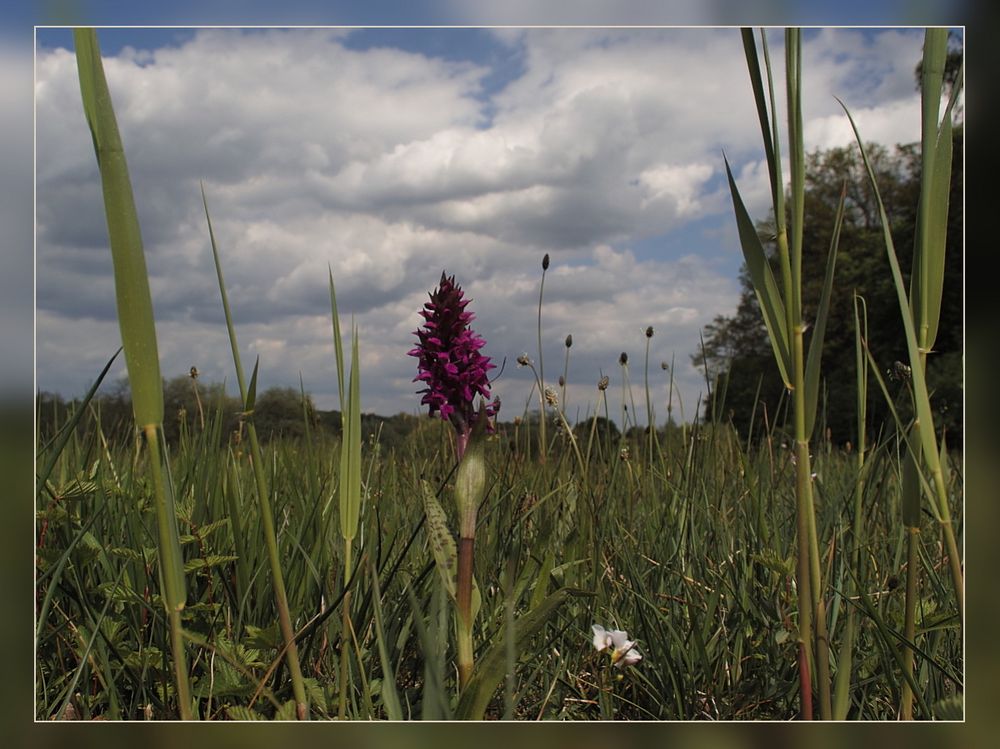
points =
(691, 553)
(319, 577)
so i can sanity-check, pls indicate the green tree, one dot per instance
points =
(736, 353)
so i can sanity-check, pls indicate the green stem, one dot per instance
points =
(463, 601)
(345, 628)
(277, 579)
(174, 598)
(807, 522)
(909, 625)
(542, 444)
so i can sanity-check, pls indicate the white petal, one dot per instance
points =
(619, 638)
(601, 637)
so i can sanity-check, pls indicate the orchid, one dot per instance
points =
(622, 650)
(450, 363)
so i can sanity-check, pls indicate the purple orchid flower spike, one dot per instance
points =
(450, 363)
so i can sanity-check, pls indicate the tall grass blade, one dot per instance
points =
(390, 697)
(138, 331)
(928, 438)
(927, 278)
(772, 305)
(815, 355)
(248, 395)
(134, 303)
(350, 452)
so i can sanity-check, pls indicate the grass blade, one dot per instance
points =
(815, 354)
(772, 305)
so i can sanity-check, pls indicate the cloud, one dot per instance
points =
(386, 165)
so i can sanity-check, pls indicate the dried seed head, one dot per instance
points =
(900, 371)
(623, 359)
(523, 361)
(545, 261)
(602, 384)
(551, 397)
(193, 374)
(649, 332)
(569, 340)
(664, 366)
(562, 381)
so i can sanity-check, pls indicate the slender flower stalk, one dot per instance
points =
(650, 420)
(565, 375)
(542, 444)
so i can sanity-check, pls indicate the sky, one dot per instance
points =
(391, 155)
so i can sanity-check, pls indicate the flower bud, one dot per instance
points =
(569, 340)
(649, 332)
(545, 261)
(623, 359)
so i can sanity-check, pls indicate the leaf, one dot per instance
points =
(771, 151)
(350, 449)
(927, 281)
(443, 545)
(251, 398)
(772, 305)
(928, 439)
(492, 667)
(213, 560)
(132, 296)
(390, 698)
(238, 712)
(815, 355)
(949, 708)
(911, 483)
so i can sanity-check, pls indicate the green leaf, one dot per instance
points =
(949, 708)
(911, 483)
(350, 450)
(132, 296)
(492, 667)
(390, 698)
(927, 279)
(338, 343)
(772, 305)
(928, 439)
(542, 582)
(251, 398)
(822, 313)
(443, 545)
(237, 712)
(770, 135)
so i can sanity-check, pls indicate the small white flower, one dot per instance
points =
(623, 650)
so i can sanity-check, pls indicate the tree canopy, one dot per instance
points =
(736, 353)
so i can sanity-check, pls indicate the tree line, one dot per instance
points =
(735, 353)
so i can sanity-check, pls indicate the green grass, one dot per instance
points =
(692, 553)
(307, 580)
